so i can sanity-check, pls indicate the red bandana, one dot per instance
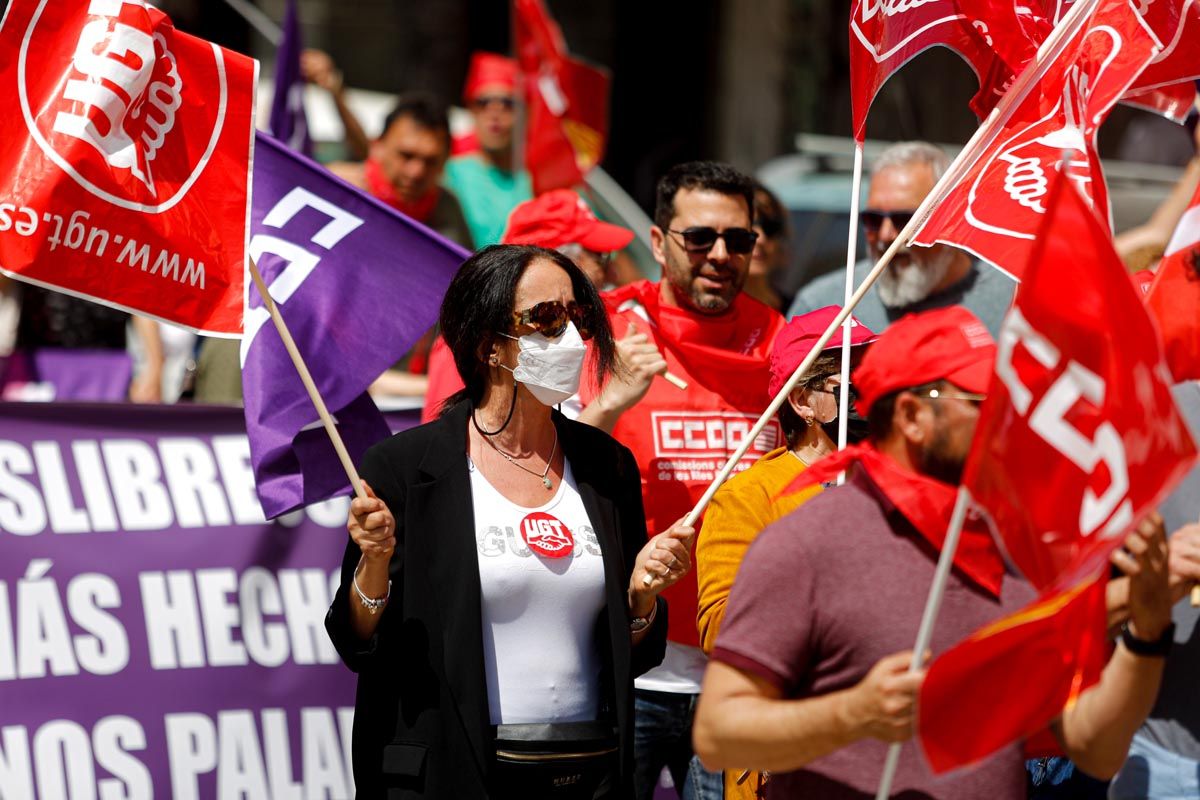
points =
(727, 352)
(925, 502)
(380, 187)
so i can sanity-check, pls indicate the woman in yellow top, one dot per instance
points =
(749, 501)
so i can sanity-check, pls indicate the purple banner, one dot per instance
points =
(59, 373)
(357, 283)
(158, 638)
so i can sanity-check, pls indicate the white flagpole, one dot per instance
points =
(983, 137)
(851, 260)
(306, 378)
(266, 26)
(925, 633)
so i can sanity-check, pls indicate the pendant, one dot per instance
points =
(546, 482)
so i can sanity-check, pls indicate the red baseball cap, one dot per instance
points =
(561, 217)
(796, 339)
(948, 344)
(489, 70)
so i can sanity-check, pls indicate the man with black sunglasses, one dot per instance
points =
(485, 180)
(918, 278)
(699, 325)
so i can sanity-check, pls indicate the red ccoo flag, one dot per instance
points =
(1174, 296)
(1095, 413)
(1176, 23)
(998, 205)
(1081, 390)
(567, 103)
(126, 160)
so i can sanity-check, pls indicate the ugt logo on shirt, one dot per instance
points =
(129, 121)
(546, 535)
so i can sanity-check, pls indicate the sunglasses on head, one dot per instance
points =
(550, 318)
(701, 240)
(483, 101)
(872, 219)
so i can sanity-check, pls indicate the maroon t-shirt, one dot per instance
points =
(826, 592)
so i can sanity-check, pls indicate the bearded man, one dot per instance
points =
(918, 278)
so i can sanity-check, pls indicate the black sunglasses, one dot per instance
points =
(550, 318)
(770, 226)
(483, 101)
(872, 220)
(701, 240)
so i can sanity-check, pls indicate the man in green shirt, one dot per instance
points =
(485, 182)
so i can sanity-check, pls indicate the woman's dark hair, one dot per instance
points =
(770, 214)
(793, 427)
(478, 307)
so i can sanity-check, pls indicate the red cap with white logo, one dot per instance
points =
(949, 344)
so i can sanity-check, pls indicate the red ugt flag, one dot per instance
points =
(567, 102)
(1174, 296)
(1080, 390)
(125, 160)
(998, 205)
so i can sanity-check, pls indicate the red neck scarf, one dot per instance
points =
(727, 353)
(925, 502)
(379, 186)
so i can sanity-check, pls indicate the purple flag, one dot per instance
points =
(358, 283)
(288, 123)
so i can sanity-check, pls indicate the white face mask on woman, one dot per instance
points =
(550, 368)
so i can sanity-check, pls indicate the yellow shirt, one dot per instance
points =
(740, 509)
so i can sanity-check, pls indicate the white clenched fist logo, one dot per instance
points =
(125, 103)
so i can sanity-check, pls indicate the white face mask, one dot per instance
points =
(550, 368)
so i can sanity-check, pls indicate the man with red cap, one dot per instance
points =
(810, 675)
(486, 181)
(751, 500)
(559, 220)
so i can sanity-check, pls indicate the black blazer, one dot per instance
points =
(421, 722)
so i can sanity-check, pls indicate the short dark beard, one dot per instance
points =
(937, 461)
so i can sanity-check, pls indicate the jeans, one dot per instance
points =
(1057, 779)
(1151, 771)
(662, 737)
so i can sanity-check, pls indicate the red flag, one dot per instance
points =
(1033, 663)
(994, 210)
(1094, 412)
(1174, 101)
(567, 103)
(1080, 390)
(1176, 23)
(1174, 296)
(126, 160)
(886, 35)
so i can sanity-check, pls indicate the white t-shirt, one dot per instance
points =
(539, 612)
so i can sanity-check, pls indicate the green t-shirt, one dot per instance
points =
(487, 195)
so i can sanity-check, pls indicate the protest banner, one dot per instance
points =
(157, 636)
(126, 160)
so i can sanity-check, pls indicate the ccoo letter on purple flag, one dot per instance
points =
(358, 284)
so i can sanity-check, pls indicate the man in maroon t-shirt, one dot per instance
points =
(809, 679)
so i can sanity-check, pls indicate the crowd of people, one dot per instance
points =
(528, 611)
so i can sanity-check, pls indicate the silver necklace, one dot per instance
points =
(544, 474)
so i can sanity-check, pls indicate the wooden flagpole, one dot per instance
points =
(306, 378)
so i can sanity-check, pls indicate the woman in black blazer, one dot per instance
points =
(462, 656)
